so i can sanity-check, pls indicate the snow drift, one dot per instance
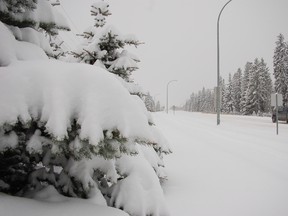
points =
(51, 203)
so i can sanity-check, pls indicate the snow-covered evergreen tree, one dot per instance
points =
(57, 128)
(210, 101)
(149, 102)
(252, 101)
(76, 127)
(223, 107)
(259, 89)
(228, 105)
(265, 87)
(280, 63)
(202, 100)
(189, 105)
(192, 102)
(105, 46)
(236, 90)
(244, 86)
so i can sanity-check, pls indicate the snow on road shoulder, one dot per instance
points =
(237, 168)
(12, 206)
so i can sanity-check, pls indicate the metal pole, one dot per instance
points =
(167, 94)
(276, 113)
(167, 98)
(218, 66)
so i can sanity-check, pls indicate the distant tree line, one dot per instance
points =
(150, 103)
(248, 91)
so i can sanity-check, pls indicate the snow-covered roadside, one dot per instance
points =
(237, 168)
(51, 203)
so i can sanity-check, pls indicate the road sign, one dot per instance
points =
(279, 99)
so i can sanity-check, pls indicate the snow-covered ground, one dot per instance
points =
(50, 203)
(239, 168)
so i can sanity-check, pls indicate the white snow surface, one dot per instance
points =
(237, 168)
(234, 169)
(49, 202)
(56, 92)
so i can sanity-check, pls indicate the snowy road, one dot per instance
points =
(239, 168)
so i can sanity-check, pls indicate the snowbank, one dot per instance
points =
(51, 203)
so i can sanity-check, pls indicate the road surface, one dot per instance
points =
(239, 168)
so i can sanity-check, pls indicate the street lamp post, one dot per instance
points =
(167, 94)
(218, 67)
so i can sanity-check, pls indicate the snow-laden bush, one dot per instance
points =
(65, 124)
(77, 128)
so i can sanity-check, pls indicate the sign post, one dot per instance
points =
(275, 100)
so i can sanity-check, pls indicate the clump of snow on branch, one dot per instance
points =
(54, 92)
(36, 22)
(42, 13)
(32, 36)
(12, 50)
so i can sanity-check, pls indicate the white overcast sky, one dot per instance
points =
(180, 38)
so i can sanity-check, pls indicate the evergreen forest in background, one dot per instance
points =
(248, 91)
